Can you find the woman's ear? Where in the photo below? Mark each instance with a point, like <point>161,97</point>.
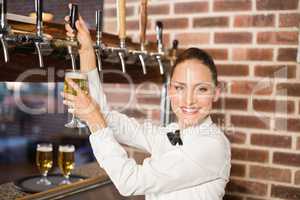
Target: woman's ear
<point>217,93</point>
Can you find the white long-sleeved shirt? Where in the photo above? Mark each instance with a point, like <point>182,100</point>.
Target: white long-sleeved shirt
<point>199,169</point>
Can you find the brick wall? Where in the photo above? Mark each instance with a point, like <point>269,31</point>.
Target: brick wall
<point>254,43</point>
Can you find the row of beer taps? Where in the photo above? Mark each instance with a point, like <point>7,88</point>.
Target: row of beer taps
<point>122,51</point>
<point>7,36</point>
<point>43,43</point>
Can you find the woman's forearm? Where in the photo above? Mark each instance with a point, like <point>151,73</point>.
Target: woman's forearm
<point>87,60</point>
<point>96,121</point>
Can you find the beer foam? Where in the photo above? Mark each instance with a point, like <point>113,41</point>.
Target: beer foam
<point>44,148</point>
<point>66,148</point>
<point>75,75</point>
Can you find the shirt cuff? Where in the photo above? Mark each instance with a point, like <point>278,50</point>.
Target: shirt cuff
<point>92,77</point>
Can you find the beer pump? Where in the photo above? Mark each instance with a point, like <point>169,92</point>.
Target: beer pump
<point>41,43</point>
<point>160,49</point>
<point>73,19</point>
<point>121,50</point>
<point>173,54</point>
<point>99,45</point>
<point>4,31</point>
<point>142,53</point>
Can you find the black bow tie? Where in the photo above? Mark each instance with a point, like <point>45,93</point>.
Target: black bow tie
<point>175,137</point>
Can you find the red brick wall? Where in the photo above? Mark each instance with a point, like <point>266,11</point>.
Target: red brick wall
<point>254,43</point>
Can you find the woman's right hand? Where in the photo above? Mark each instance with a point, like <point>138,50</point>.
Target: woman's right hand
<point>83,34</point>
<point>86,51</point>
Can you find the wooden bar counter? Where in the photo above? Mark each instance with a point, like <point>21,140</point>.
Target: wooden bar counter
<point>98,183</point>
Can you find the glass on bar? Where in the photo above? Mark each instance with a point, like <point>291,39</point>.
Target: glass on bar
<point>44,161</point>
<point>66,161</point>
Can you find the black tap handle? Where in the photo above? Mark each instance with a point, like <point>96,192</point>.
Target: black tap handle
<point>99,20</point>
<point>3,10</point>
<point>159,33</point>
<point>39,10</point>
<point>175,44</point>
<point>39,17</point>
<point>3,6</point>
<point>73,16</point>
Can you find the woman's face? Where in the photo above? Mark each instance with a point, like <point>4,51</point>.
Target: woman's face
<point>192,92</point>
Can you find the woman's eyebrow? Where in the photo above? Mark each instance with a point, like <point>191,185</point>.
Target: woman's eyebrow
<point>203,83</point>
<point>200,83</point>
<point>177,82</point>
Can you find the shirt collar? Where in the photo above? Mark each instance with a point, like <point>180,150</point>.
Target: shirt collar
<point>202,127</point>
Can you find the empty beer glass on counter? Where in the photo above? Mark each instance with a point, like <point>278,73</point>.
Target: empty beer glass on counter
<point>44,161</point>
<point>66,161</point>
<point>82,81</point>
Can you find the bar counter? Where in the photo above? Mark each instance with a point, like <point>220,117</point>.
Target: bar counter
<point>8,191</point>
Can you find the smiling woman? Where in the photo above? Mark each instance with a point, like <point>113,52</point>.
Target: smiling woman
<point>194,87</point>
<point>197,168</point>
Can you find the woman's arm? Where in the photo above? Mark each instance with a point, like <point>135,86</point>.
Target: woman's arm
<point>204,160</point>
<point>127,130</point>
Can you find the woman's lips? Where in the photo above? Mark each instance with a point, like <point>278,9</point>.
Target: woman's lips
<point>189,110</point>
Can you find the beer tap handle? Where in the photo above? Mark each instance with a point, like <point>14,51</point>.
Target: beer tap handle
<point>175,45</point>
<point>143,27</point>
<point>121,12</point>
<point>3,20</point>
<point>39,30</point>
<point>99,26</point>
<point>99,15</point>
<point>5,49</point>
<point>174,49</point>
<point>73,16</point>
<point>173,55</point>
<point>143,22</point>
<point>39,17</point>
<point>3,31</point>
<point>159,36</point>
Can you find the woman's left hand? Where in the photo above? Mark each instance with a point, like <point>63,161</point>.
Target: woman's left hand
<point>83,106</point>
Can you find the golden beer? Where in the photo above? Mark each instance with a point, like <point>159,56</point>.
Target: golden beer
<point>66,159</point>
<point>44,160</point>
<point>79,78</point>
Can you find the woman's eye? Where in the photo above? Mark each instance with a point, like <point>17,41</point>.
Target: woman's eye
<point>178,88</point>
<point>202,89</point>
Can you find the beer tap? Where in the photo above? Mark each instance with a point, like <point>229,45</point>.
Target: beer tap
<point>39,40</point>
<point>121,50</point>
<point>98,45</point>
<point>143,26</point>
<point>73,19</point>
<point>160,49</point>
<point>173,54</point>
<point>4,29</point>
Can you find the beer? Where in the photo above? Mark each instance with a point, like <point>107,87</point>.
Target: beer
<point>79,78</point>
<point>44,159</point>
<point>66,159</point>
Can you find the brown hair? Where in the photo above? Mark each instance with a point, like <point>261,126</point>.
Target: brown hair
<point>200,55</point>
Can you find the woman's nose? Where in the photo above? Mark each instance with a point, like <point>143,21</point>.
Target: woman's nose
<point>189,99</point>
